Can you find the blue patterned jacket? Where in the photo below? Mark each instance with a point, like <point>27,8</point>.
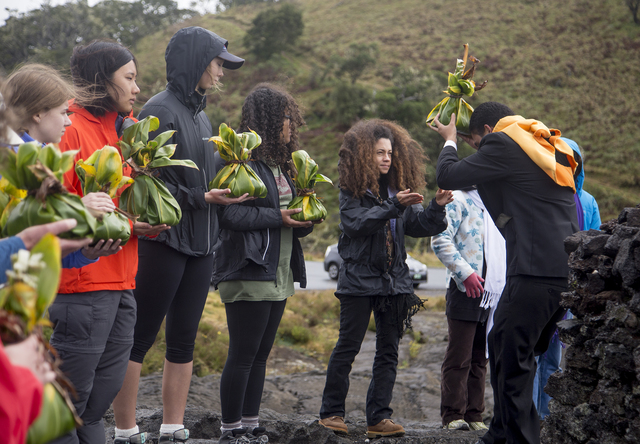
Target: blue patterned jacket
<point>460,247</point>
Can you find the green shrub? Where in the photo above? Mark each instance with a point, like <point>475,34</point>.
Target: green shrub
<point>274,30</point>
<point>350,102</point>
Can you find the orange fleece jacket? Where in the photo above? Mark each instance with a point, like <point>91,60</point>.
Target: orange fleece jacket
<point>89,133</point>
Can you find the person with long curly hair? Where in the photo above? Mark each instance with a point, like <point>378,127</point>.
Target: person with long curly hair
<point>260,258</point>
<point>381,173</point>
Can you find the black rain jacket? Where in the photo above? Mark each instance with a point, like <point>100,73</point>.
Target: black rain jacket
<point>249,247</point>
<point>179,108</point>
<point>362,244</point>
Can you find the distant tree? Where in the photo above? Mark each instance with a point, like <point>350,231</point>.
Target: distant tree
<point>274,30</point>
<point>634,6</point>
<point>128,22</point>
<point>226,4</point>
<point>48,35</point>
<point>350,102</point>
<point>359,57</point>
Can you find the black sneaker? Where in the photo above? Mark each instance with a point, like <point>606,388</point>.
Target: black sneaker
<point>180,435</point>
<point>258,435</point>
<point>235,436</point>
<point>138,438</point>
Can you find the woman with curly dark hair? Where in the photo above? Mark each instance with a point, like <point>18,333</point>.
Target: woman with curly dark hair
<point>381,171</point>
<point>260,258</point>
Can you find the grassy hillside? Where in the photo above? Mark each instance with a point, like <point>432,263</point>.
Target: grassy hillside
<point>575,65</point>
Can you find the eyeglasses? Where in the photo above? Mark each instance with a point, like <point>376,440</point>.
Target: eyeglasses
<point>287,116</point>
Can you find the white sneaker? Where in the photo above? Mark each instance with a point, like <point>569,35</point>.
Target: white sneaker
<point>458,424</point>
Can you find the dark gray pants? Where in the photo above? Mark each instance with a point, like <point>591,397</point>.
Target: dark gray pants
<point>93,334</point>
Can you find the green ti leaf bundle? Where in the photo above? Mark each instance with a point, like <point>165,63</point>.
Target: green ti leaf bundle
<point>31,288</point>
<point>102,172</point>
<point>148,196</point>
<point>307,177</point>
<point>39,171</point>
<point>237,175</point>
<point>460,85</point>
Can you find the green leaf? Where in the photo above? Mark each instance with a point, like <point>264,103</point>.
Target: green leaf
<point>49,276</point>
<point>8,163</point>
<point>322,178</point>
<point>162,138</point>
<point>27,156</point>
<point>165,162</point>
<point>165,151</point>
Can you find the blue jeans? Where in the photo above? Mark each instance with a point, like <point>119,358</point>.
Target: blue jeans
<point>548,363</point>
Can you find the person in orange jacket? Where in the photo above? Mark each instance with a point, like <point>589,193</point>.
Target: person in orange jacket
<point>95,312</point>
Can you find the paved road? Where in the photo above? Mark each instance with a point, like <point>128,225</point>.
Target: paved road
<point>318,279</point>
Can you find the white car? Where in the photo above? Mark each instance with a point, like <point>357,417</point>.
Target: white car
<point>332,262</point>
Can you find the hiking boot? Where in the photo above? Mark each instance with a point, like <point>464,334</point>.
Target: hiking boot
<point>386,427</point>
<point>138,438</point>
<point>478,425</point>
<point>458,424</point>
<point>258,435</point>
<point>180,435</point>
<point>335,423</point>
<point>235,436</point>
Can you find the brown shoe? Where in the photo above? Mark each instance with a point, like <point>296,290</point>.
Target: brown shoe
<point>335,423</point>
<point>386,427</point>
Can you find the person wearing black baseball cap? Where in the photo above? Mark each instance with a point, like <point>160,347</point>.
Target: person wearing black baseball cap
<point>174,268</point>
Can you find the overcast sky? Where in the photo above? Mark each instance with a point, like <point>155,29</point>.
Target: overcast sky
<point>28,5</point>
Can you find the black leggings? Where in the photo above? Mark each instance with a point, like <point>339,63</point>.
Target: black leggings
<point>252,330</point>
<point>171,284</point>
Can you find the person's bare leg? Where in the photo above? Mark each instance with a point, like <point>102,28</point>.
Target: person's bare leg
<point>124,405</point>
<point>176,380</point>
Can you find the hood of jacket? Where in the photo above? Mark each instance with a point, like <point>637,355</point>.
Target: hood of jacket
<point>188,54</point>
<point>580,178</point>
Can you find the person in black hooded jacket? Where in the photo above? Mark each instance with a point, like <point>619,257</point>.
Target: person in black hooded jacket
<point>175,267</point>
<point>381,169</point>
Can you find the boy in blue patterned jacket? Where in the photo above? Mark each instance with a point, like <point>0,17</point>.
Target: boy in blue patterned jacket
<point>461,248</point>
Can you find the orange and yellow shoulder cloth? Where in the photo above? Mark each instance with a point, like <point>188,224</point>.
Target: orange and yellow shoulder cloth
<point>543,146</point>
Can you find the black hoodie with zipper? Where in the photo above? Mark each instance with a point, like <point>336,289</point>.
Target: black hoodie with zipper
<point>179,108</point>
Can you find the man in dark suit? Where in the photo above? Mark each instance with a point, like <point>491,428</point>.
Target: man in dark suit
<point>535,214</point>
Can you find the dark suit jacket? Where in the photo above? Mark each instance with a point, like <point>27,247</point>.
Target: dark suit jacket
<point>533,213</point>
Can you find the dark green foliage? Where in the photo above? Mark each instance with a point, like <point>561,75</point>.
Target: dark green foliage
<point>634,5</point>
<point>48,35</point>
<point>274,30</point>
<point>359,58</point>
<point>350,102</point>
<point>226,4</point>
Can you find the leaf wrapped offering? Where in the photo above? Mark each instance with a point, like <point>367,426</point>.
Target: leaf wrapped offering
<point>237,175</point>
<point>460,85</point>
<point>10,197</point>
<point>102,172</point>
<point>31,287</point>
<point>312,208</point>
<point>39,171</point>
<point>148,196</point>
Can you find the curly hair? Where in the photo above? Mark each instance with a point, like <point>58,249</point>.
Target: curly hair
<point>357,166</point>
<point>264,112</point>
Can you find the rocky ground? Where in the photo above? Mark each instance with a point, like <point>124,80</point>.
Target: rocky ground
<point>291,401</point>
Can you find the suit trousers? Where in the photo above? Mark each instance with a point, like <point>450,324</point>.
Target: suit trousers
<point>524,323</point>
<point>355,312</point>
<point>463,372</point>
